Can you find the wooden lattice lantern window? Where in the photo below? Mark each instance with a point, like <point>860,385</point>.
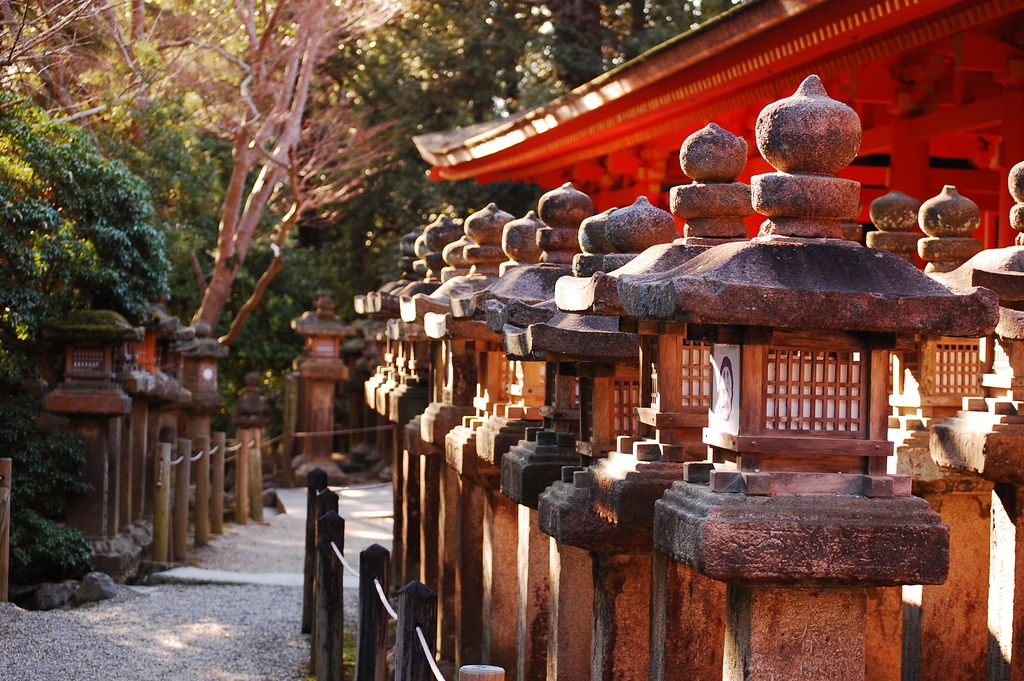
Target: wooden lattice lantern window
<point>609,397</point>
<point>675,392</point>
<point>85,360</point>
<point>525,390</point>
<point>561,409</point>
<point>786,404</point>
<point>938,373</point>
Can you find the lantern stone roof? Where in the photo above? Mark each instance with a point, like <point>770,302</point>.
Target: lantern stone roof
<point>543,333</point>
<point>201,343</point>
<point>1000,270</point>
<point>322,321</point>
<point>99,325</point>
<point>812,284</point>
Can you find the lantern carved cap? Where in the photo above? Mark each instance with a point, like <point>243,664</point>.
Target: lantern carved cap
<point>562,210</point>
<point>635,228</point>
<point>808,137</point>
<point>92,325</point>
<point>563,336</point>
<point>948,219</point>
<point>485,229</point>
<point>714,204</point>
<point>519,239</point>
<point>322,321</point>
<point>895,216</point>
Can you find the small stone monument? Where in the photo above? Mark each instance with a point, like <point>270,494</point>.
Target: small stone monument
<point>519,242</point>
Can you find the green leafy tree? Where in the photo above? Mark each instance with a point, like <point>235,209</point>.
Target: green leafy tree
<point>76,231</point>
<point>45,472</point>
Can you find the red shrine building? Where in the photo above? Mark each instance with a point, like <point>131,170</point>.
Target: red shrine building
<point>938,84</point>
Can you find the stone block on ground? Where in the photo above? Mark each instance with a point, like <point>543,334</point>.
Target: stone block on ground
<point>95,586</point>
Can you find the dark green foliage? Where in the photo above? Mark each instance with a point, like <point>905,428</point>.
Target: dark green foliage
<point>75,231</point>
<point>45,473</point>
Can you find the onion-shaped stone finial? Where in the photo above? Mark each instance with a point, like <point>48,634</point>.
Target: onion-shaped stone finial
<point>713,154</point>
<point>485,228</point>
<point>948,219</point>
<point>808,137</point>
<point>895,216</point>
<point>406,262</point>
<point>808,132</point>
<point>639,226</point>
<point>562,210</point>
<point>436,236</point>
<point>593,234</point>
<point>519,241</point>
<point>714,204</point>
<point>1016,183</point>
<point>454,255</point>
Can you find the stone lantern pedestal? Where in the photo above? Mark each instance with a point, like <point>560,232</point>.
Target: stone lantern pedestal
<point>95,406</point>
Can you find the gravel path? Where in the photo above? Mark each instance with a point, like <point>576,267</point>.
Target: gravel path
<point>185,632</point>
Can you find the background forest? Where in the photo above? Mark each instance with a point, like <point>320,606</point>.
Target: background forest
<point>231,159</point>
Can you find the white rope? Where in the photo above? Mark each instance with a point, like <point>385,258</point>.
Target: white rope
<point>384,599</point>
<point>429,655</point>
<point>344,563</point>
<point>198,456</point>
<point>233,448</point>
<point>214,450</point>
<point>178,460</point>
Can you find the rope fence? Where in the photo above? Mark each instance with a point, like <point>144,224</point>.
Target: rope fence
<point>415,614</point>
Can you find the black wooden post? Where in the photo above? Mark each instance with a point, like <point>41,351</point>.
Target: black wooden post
<point>326,502</point>
<point>417,607</point>
<point>330,611</point>
<point>372,642</point>
<point>316,480</point>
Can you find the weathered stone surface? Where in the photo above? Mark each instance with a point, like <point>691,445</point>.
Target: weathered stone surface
<point>567,336</point>
<point>565,513</point>
<point>593,233</point>
<point>894,212</point>
<point>981,443</point>
<point>600,292</point>
<point>808,132</point>
<point>713,154</point>
<point>949,214</point>
<point>639,226</point>
<point>714,204</point>
<point>531,467</point>
<point>998,269</point>
<point>813,284</point>
<point>803,195</point>
<point>562,210</point>
<point>519,239</point>
<point>624,490</point>
<point>806,540</point>
<point>50,596</point>
<point>95,586</point>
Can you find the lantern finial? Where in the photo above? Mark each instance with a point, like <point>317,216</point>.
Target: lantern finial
<point>948,219</point>
<point>714,204</point>
<point>808,137</point>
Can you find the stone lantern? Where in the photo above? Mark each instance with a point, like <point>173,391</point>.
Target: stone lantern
<point>796,512</point>
<point>320,367</point>
<point>984,440</point>
<point>94,404</point>
<point>592,384</point>
<point>199,357</point>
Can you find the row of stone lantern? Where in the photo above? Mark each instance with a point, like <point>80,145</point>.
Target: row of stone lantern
<point>673,457</point>
<point>123,389</point>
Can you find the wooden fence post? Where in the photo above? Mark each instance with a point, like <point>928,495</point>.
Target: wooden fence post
<point>162,503</point>
<point>182,475</point>
<point>417,607</point>
<point>256,476</point>
<point>326,502</point>
<point>202,531</point>
<point>372,640</point>
<point>217,483</point>
<point>316,480</point>
<point>330,610</point>
<point>242,478</point>
<point>5,526</point>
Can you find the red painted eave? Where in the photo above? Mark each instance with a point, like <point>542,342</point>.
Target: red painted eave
<point>721,60</point>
